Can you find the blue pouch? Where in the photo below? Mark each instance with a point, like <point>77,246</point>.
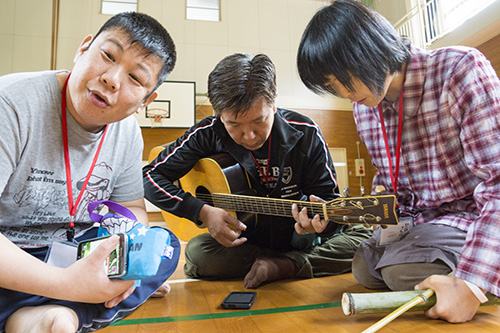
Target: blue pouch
<point>147,247</point>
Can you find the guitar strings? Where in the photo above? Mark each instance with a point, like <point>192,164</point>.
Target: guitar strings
<point>271,206</point>
<point>342,212</point>
<point>258,205</point>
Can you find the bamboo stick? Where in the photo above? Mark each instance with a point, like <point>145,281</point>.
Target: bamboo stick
<point>398,302</point>
<point>419,299</point>
<point>384,302</point>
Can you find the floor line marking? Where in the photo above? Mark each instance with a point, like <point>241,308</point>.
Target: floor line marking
<point>228,314</point>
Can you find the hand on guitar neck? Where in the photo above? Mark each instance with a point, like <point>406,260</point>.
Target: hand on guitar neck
<point>219,223</point>
<point>306,224</point>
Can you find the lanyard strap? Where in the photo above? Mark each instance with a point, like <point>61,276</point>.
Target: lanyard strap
<point>265,175</point>
<point>394,175</point>
<point>73,206</point>
<point>115,207</point>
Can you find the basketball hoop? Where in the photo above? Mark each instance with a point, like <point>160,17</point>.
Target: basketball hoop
<point>156,116</point>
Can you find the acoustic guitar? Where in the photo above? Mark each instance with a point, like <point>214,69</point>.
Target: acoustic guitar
<point>221,182</point>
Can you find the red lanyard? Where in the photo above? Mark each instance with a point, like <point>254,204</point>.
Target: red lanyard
<point>72,207</point>
<point>394,175</point>
<point>265,175</point>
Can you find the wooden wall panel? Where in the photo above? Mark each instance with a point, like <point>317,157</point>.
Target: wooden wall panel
<point>338,127</point>
<point>491,49</point>
<point>339,130</point>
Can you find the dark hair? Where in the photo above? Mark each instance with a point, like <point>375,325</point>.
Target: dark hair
<point>348,40</point>
<point>239,80</point>
<point>149,34</point>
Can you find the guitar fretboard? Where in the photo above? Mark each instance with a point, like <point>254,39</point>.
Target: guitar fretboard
<point>268,206</point>
<point>353,210</point>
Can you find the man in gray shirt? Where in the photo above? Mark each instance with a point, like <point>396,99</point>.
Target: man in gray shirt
<point>67,140</point>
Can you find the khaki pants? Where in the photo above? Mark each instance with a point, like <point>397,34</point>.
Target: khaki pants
<point>207,259</point>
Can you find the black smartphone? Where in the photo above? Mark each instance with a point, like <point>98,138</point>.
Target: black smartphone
<point>239,300</point>
<point>116,264</point>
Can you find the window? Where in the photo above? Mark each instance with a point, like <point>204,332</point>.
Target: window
<point>429,20</point>
<point>112,7</point>
<point>456,12</point>
<point>203,10</point>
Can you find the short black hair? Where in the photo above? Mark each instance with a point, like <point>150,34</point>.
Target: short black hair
<point>149,34</point>
<point>348,40</point>
<point>238,80</point>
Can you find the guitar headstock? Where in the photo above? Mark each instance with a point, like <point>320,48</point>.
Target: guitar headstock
<point>369,210</point>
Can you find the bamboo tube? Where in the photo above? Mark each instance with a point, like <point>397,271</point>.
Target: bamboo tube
<point>384,302</point>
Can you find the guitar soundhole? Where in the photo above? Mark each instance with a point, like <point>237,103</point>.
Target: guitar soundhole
<point>204,194</point>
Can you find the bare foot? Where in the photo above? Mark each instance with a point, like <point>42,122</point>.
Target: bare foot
<point>42,319</point>
<point>270,269</point>
<point>162,291</point>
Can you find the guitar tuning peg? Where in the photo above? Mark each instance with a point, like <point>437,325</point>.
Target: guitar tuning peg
<point>346,192</point>
<point>364,222</point>
<point>379,189</point>
<point>346,220</point>
<point>362,190</point>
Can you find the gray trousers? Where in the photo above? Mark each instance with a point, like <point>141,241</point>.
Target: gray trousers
<point>428,249</point>
<point>207,259</point>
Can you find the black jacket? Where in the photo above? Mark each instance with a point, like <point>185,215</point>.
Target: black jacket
<point>305,167</point>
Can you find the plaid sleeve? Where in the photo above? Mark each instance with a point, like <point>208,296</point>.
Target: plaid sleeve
<point>476,88</point>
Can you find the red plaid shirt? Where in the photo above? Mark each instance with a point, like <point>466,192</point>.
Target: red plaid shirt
<point>450,152</point>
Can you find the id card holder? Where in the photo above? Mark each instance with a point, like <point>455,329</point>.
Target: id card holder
<point>394,233</point>
<point>62,254</point>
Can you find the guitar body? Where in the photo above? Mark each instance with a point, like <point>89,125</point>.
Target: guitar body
<point>215,174</point>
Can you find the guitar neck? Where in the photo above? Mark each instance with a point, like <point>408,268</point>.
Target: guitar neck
<point>265,206</point>
<point>367,210</point>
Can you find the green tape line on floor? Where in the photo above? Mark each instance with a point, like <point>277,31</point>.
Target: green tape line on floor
<point>228,314</point>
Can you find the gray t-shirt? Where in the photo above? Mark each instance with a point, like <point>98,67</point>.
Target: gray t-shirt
<point>34,199</point>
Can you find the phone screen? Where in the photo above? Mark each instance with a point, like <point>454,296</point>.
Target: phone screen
<point>115,263</point>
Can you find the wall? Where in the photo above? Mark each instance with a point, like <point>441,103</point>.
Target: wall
<point>273,27</point>
<point>491,49</point>
<point>270,26</point>
<point>339,130</point>
<point>338,127</point>
<point>393,10</point>
<point>25,35</point>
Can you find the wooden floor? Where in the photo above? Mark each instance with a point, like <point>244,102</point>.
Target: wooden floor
<point>311,305</point>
